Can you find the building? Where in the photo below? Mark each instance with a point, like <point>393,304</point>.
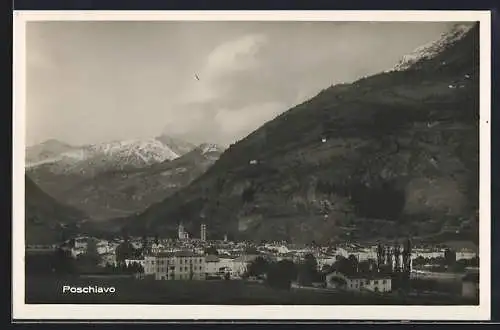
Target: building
<point>203,232</point>
<point>141,262</point>
<point>75,252</point>
<point>107,259</point>
<point>181,265</point>
<point>325,261</point>
<point>157,248</point>
<point>103,247</point>
<point>80,243</point>
<point>213,266</point>
<point>183,234</point>
<point>373,282</point>
<point>465,254</point>
<point>470,285</point>
<point>240,264</point>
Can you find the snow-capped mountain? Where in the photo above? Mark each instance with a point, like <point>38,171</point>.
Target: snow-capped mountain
<point>178,146</point>
<point>118,177</point>
<point>46,151</point>
<point>435,47</point>
<point>210,147</point>
<point>104,190</point>
<point>135,152</point>
<point>115,154</point>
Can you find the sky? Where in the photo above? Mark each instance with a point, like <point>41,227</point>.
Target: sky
<point>92,82</point>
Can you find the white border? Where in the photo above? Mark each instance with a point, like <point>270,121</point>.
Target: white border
<point>21,311</point>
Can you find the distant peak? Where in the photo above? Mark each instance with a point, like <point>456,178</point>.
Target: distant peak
<point>53,142</point>
<point>210,147</point>
<point>435,47</point>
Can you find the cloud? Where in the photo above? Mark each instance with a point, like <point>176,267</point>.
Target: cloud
<point>128,79</point>
<point>240,122</point>
<point>233,56</point>
<point>223,63</point>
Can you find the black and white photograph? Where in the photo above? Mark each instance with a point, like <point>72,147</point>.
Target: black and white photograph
<point>248,164</point>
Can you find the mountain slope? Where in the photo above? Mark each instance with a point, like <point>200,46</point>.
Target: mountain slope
<point>57,167</point>
<point>390,154</point>
<point>45,217</point>
<point>178,146</point>
<point>122,192</point>
<point>432,49</point>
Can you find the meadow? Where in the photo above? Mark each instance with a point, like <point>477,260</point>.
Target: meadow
<point>48,290</point>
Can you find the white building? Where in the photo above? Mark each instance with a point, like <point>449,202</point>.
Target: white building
<point>213,266</point>
<point>227,264</point>
<point>108,259</point>
<point>465,254</point>
<point>103,247</point>
<point>282,249</point>
<point>359,282</point>
<point>325,260</point>
<point>157,248</point>
<point>75,252</point>
<point>240,264</point>
<point>182,265</point>
<point>220,265</point>
<point>141,262</point>
<point>80,243</point>
<point>430,254</point>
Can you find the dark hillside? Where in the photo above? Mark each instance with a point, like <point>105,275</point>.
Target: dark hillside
<point>400,155</point>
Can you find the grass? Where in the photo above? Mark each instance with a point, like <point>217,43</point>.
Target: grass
<point>48,290</point>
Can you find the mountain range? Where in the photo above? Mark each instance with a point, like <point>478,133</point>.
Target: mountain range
<point>118,178</point>
<point>388,155</point>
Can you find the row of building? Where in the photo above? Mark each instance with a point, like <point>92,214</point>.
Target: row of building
<point>188,265</point>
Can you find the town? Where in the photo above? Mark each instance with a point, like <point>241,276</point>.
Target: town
<point>382,269</point>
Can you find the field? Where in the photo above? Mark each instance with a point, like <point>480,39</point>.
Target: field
<point>48,290</point>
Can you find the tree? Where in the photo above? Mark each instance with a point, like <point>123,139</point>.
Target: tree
<point>251,250</point>
<point>326,269</point>
<point>308,270</point>
<point>353,263</point>
<point>91,252</point>
<point>211,250</point>
<point>450,257</point>
<point>257,267</point>
<point>281,274</point>
<point>364,266</point>
<point>339,282</point>
<point>124,251</point>
<point>63,262</point>
<point>89,260</point>
<point>474,262</point>
<point>135,268</point>
<point>346,266</point>
<point>419,261</point>
<point>145,245</point>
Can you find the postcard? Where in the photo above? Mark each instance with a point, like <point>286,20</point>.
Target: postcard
<point>274,165</point>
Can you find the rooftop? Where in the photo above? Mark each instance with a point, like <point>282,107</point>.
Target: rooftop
<point>178,254</point>
<point>212,258</point>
